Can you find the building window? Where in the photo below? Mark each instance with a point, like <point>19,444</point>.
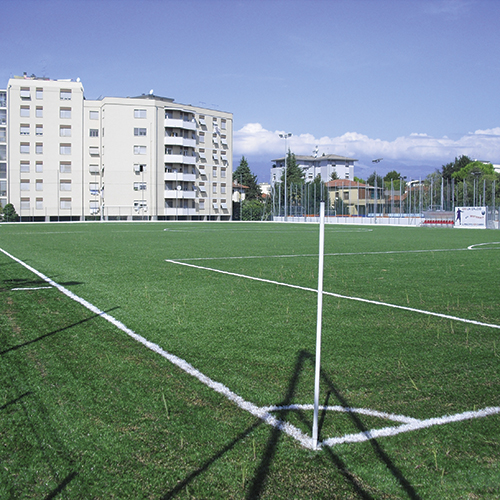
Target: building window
<point>94,188</point>
<point>139,168</point>
<point>223,124</point>
<point>25,203</point>
<point>65,149</point>
<point>24,129</point>
<point>39,185</point>
<point>140,113</point>
<point>139,150</point>
<point>139,131</point>
<point>214,188</point>
<point>94,205</point>
<point>39,148</point>
<point>25,184</point>
<point>25,111</point>
<point>3,188</point>
<point>39,112</point>
<point>139,186</point>
<point>65,113</point>
<point>25,148</point>
<point>25,93</point>
<point>65,131</point>
<point>3,171</point>
<point>223,172</point>
<point>223,189</point>
<point>94,150</point>
<point>65,94</point>
<point>39,93</point>
<point>39,203</point>
<point>38,129</point>
<point>3,117</point>
<point>94,115</point>
<point>94,169</point>
<point>65,203</point>
<point>201,204</point>
<point>3,135</point>
<point>201,135</point>
<point>94,132</point>
<point>25,167</point>
<point>65,167</point>
<point>39,167</point>
<point>65,185</point>
<point>214,171</point>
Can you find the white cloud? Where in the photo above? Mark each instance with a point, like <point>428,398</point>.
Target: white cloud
<point>254,140</point>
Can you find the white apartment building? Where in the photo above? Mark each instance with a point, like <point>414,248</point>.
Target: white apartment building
<point>3,148</point>
<point>145,157</point>
<point>324,166</point>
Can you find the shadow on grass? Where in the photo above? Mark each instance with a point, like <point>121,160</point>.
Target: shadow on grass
<point>9,284</point>
<point>61,487</point>
<point>59,330</point>
<point>258,482</point>
<point>14,401</point>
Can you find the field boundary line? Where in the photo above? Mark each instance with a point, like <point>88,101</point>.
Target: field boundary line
<point>332,294</point>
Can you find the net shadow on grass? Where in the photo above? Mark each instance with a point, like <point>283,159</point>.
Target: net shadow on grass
<point>14,401</point>
<point>59,330</point>
<point>62,486</point>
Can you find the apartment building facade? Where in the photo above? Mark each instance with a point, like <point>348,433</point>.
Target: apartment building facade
<point>146,157</point>
<point>312,166</point>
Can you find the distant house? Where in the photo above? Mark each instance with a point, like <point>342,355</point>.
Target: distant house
<point>354,198</point>
<point>324,166</point>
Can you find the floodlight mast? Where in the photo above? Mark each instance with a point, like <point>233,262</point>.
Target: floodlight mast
<point>319,322</point>
<point>285,136</point>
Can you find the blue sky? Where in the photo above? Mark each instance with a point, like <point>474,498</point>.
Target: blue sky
<point>413,82</point>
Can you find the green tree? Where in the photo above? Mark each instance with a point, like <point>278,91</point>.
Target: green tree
<point>252,210</point>
<point>243,175</point>
<point>294,174</point>
<point>9,213</point>
<point>475,168</point>
<point>358,179</point>
<point>371,180</point>
<point>395,178</point>
<point>334,176</point>
<point>449,169</point>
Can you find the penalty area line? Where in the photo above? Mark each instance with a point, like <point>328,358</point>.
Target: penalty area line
<point>337,295</point>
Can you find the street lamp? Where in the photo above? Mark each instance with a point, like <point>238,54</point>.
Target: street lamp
<point>285,136</point>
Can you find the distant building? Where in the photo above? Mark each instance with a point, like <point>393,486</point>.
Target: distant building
<point>354,198</point>
<point>324,166</point>
<point>68,158</point>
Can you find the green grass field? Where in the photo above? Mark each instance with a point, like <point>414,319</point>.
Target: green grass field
<point>87,412</point>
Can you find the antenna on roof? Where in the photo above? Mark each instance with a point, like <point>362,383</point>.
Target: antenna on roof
<point>151,92</point>
<point>315,152</point>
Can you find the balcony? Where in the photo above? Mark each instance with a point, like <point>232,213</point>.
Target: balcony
<point>179,194</point>
<point>180,211</point>
<point>187,160</point>
<point>180,141</point>
<point>179,123</point>
<point>179,176</point>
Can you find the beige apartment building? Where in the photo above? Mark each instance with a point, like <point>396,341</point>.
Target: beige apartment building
<point>146,157</point>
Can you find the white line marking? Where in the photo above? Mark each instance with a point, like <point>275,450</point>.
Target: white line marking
<point>339,254</point>
<point>474,247</point>
<point>358,299</point>
<point>413,426</point>
<point>32,288</point>
<point>264,413</point>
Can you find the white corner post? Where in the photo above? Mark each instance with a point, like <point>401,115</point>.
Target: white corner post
<point>319,322</point>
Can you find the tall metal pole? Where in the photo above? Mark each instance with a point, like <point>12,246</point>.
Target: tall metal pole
<point>319,321</point>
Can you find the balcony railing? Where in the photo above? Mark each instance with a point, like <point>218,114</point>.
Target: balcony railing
<point>180,176</point>
<point>180,211</point>
<point>187,160</point>
<point>179,123</point>
<point>180,141</point>
<point>178,194</point>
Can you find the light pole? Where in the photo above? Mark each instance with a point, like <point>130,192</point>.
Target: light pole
<point>285,136</point>
<point>377,160</point>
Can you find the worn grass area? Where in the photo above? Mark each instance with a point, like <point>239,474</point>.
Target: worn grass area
<point>87,412</point>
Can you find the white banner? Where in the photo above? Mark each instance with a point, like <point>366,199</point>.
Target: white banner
<point>474,217</point>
